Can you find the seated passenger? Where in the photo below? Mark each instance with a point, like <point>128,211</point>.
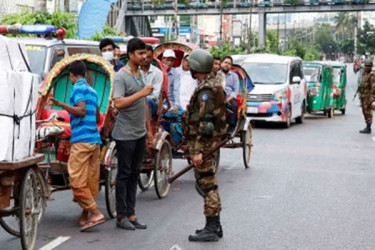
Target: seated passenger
<point>107,47</point>
<point>232,86</point>
<point>168,59</point>
<point>188,84</point>
<point>216,71</point>
<point>153,76</point>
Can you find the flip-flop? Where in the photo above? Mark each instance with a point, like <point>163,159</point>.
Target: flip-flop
<point>81,221</point>
<point>91,224</point>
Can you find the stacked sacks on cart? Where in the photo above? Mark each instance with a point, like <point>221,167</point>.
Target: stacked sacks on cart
<point>18,99</point>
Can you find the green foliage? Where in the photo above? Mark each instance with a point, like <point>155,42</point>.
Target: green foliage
<point>225,50</point>
<point>292,2</point>
<point>324,39</point>
<point>272,41</point>
<point>366,39</point>
<point>107,32</point>
<point>311,55</point>
<point>296,47</point>
<point>58,19</point>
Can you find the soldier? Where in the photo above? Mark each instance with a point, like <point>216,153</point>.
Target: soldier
<point>205,126</point>
<point>365,91</point>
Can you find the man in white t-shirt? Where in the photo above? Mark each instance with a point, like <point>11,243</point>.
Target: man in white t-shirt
<point>188,84</point>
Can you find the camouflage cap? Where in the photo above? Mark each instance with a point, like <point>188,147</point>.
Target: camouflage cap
<point>368,62</point>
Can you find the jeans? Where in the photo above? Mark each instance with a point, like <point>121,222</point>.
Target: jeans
<point>130,156</point>
<point>231,118</point>
<point>152,106</point>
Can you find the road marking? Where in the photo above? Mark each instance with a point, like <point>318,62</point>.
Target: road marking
<point>175,247</point>
<point>55,243</point>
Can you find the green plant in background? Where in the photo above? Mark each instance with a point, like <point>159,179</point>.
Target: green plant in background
<point>226,50</point>
<point>58,19</point>
<point>107,32</point>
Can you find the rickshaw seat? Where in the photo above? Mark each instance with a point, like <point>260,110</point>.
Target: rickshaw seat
<point>66,123</point>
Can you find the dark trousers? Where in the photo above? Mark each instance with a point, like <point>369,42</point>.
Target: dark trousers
<point>130,157</point>
<point>231,118</point>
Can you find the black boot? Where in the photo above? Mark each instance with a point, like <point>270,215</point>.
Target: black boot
<point>219,231</point>
<point>366,130</point>
<point>209,232</point>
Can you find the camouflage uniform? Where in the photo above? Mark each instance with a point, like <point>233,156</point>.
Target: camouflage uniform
<point>365,91</point>
<point>205,127</point>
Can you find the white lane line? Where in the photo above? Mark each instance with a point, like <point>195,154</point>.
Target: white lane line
<point>175,247</point>
<point>55,243</point>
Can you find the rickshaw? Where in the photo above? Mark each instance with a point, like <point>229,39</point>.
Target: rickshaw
<point>339,85</point>
<point>53,131</point>
<point>243,128</point>
<point>157,164</point>
<point>318,75</point>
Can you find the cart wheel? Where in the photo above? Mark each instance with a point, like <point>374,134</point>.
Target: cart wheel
<point>11,224</point>
<point>330,113</point>
<point>110,185</point>
<point>145,180</point>
<point>29,210</point>
<point>343,111</point>
<point>247,143</point>
<point>163,169</point>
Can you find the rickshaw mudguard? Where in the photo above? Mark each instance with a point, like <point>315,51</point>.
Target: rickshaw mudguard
<point>159,138</point>
<point>107,157</point>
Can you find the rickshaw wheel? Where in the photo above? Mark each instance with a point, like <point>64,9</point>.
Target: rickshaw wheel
<point>145,180</point>
<point>29,211</point>
<point>11,224</point>
<point>163,169</point>
<point>247,141</point>
<point>110,185</point>
<point>343,111</point>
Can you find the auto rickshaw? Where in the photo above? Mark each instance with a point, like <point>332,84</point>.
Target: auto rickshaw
<point>339,85</point>
<point>318,76</point>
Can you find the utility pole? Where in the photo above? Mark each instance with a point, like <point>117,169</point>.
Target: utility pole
<point>66,6</point>
<point>221,24</point>
<point>278,30</point>
<point>285,32</point>
<point>251,34</point>
<point>355,33</point>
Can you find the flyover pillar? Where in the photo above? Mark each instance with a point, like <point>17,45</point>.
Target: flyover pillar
<point>262,28</point>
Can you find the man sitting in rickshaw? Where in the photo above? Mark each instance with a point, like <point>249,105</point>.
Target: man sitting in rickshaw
<point>216,70</point>
<point>168,59</point>
<point>188,84</point>
<point>232,86</point>
<point>153,76</point>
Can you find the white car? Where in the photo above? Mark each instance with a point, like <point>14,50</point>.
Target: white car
<point>280,90</point>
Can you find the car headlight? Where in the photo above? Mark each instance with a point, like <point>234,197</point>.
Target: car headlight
<point>280,95</point>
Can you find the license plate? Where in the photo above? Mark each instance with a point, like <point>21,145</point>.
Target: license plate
<point>252,110</point>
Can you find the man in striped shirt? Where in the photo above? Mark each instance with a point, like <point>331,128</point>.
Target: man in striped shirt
<point>84,162</point>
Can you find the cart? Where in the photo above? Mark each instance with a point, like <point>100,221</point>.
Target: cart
<point>22,198</point>
<point>53,131</point>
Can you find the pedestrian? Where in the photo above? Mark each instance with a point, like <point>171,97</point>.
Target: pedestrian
<point>205,125</point>
<point>154,76</point>
<point>168,59</point>
<point>365,91</point>
<point>84,162</point>
<point>188,84</point>
<point>232,87</point>
<point>107,48</point>
<point>130,90</point>
<point>216,71</point>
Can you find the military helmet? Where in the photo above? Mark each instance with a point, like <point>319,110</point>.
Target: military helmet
<point>368,62</point>
<point>200,61</point>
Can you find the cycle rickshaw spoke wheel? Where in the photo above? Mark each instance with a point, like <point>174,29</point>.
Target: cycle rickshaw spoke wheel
<point>110,185</point>
<point>163,169</point>
<point>247,142</point>
<point>29,210</point>
<point>11,224</point>
<point>145,180</point>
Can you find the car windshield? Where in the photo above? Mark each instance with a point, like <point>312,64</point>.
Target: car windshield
<point>266,73</point>
<point>311,74</point>
<point>37,57</point>
<point>336,75</point>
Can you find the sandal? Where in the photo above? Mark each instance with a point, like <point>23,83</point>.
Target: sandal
<point>91,224</point>
<point>83,218</point>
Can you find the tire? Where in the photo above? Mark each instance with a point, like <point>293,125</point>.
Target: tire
<point>343,111</point>
<point>247,144</point>
<point>11,224</point>
<point>299,120</point>
<point>145,180</point>
<point>110,185</point>
<point>163,169</point>
<point>29,210</point>
<point>330,113</point>
<point>289,121</point>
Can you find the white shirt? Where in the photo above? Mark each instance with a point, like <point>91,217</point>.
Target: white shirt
<point>154,76</point>
<point>188,85</point>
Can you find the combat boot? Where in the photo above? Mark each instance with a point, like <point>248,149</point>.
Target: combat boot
<point>366,130</point>
<point>219,231</point>
<point>209,232</point>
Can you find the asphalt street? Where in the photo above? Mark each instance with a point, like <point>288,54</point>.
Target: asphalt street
<point>311,186</point>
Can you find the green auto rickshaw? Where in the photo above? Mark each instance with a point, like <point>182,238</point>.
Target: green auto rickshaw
<point>318,76</point>
<point>339,85</point>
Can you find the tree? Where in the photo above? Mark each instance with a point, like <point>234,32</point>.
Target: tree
<point>345,24</point>
<point>366,39</point>
<point>324,39</point>
<point>225,50</point>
